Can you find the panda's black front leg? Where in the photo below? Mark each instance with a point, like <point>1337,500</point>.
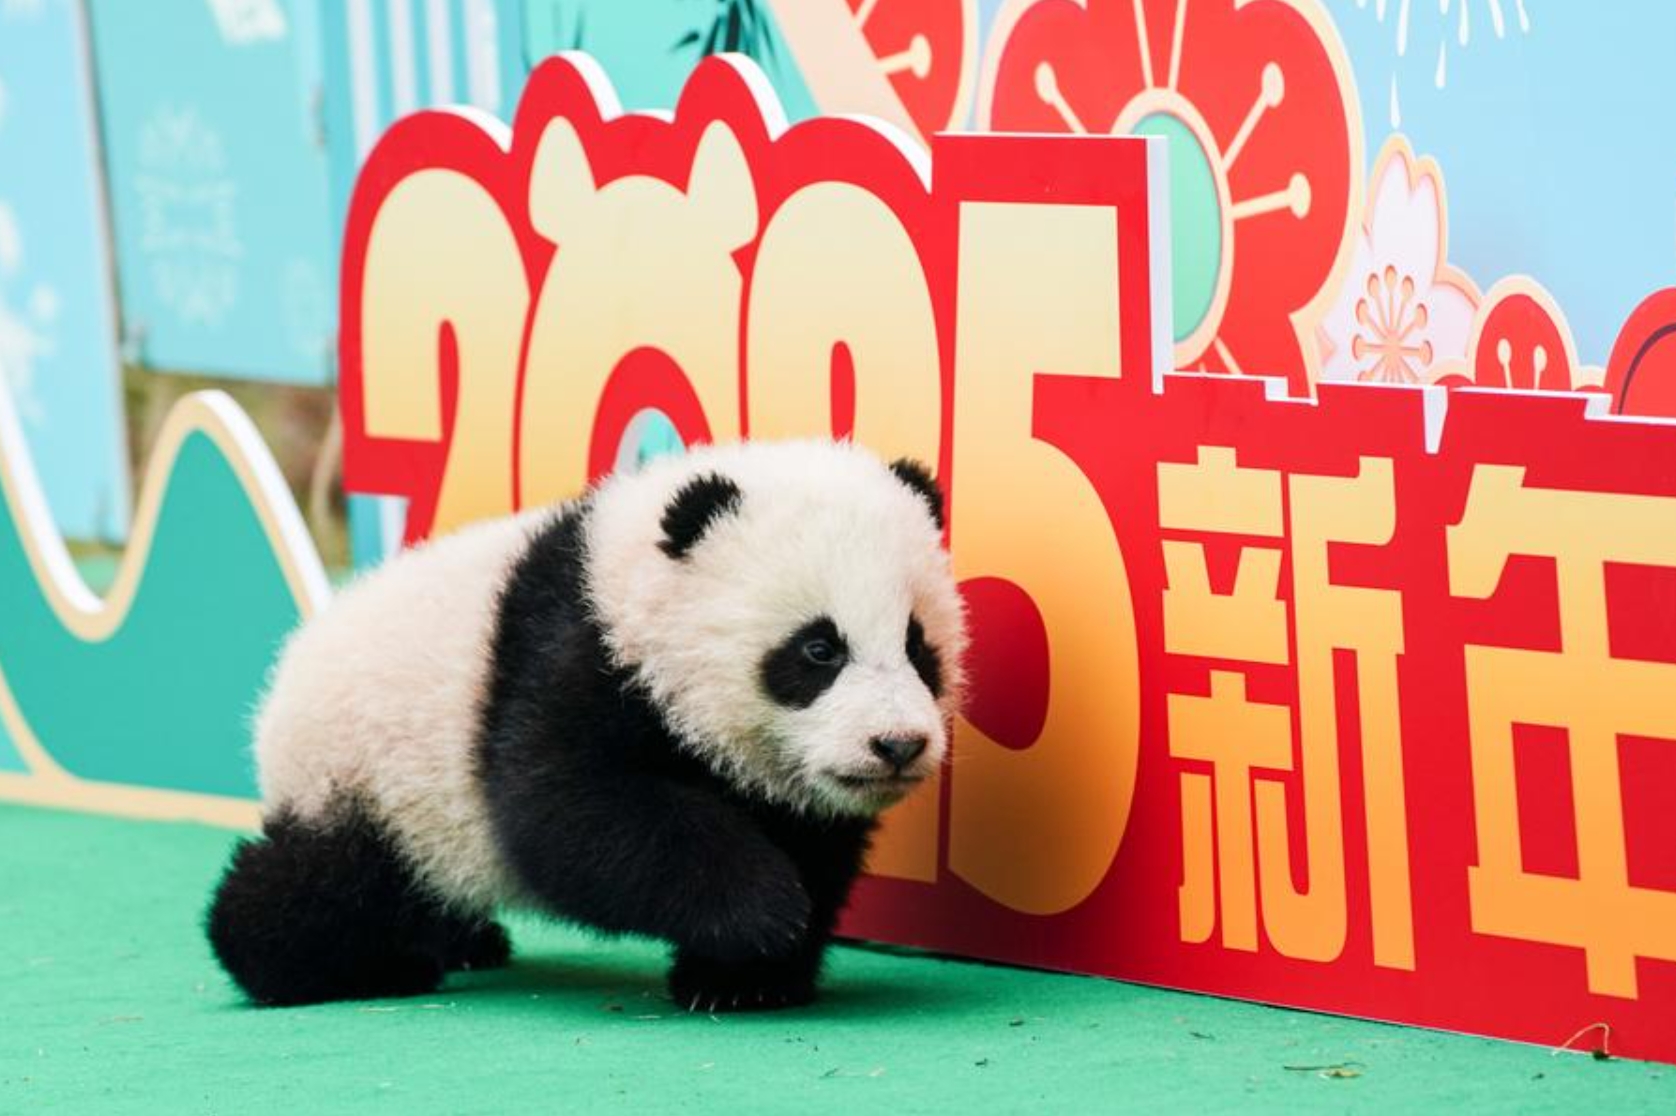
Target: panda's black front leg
<point>642,854</point>
<point>829,858</point>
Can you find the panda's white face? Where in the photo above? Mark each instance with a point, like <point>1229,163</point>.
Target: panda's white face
<point>854,721</point>
<point>791,610</point>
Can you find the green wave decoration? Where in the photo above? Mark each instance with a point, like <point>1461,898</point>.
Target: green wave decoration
<point>10,759</point>
<point>153,685</point>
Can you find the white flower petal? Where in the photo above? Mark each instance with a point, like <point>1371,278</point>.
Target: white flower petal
<point>1406,226</point>
<point>1450,323</point>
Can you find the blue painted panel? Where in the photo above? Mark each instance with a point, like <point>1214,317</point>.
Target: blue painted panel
<point>58,352</point>
<point>386,58</point>
<point>217,163</point>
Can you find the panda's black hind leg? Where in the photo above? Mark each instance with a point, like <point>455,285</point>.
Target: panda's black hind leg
<point>327,910</point>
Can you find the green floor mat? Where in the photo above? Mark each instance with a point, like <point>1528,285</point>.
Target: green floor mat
<point>110,1002</point>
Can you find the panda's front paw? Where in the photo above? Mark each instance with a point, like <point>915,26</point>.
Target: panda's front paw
<point>699,983</point>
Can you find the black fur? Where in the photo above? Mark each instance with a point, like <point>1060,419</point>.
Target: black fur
<point>918,478</point>
<point>609,822</point>
<point>329,911</point>
<point>699,503</point>
<point>927,663</point>
<point>792,677</point>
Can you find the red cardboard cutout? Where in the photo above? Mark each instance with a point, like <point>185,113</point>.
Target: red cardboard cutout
<point>1359,704</point>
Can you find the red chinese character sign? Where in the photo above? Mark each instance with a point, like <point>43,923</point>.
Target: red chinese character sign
<point>1356,704</point>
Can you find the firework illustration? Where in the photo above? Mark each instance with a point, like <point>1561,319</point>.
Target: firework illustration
<point>1454,20</point>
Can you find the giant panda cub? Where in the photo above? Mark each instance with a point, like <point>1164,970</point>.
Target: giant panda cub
<point>673,707</point>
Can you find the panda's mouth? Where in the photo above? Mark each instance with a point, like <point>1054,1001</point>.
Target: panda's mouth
<point>892,784</point>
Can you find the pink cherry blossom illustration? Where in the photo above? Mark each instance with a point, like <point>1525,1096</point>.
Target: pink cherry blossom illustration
<point>1403,309</point>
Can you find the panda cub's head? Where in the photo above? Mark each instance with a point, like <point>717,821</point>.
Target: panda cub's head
<point>790,610</point>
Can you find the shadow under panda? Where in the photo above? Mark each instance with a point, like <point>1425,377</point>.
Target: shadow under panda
<point>674,708</point>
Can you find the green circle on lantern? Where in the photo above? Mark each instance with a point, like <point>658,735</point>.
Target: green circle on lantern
<point>1195,222</point>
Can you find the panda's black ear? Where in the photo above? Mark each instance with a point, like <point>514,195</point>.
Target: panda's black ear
<point>918,478</point>
<point>695,508</point>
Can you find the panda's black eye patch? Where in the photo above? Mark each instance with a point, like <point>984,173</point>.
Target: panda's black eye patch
<point>805,664</point>
<point>926,662</point>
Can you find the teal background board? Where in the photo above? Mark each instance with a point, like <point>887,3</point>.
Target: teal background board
<point>375,528</point>
<point>641,46</point>
<point>217,165</point>
<point>384,59</point>
<point>58,352</point>
<point>165,700</point>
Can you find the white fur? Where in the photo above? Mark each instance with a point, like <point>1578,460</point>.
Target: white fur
<point>821,529</point>
<point>378,695</point>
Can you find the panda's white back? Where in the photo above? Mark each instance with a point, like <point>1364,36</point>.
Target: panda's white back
<point>378,698</point>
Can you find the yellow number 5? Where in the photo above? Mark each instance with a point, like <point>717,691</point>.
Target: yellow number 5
<point>1037,829</point>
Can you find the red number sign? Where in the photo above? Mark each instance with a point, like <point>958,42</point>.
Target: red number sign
<point>1359,704</point>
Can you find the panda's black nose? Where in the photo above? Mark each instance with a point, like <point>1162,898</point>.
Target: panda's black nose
<point>898,751</point>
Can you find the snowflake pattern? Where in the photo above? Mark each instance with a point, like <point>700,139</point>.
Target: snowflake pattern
<point>189,213</point>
